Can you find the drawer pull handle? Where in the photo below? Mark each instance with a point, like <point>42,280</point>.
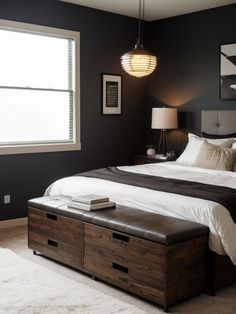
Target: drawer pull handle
<point>120,267</point>
<point>52,243</point>
<point>120,237</point>
<point>51,216</point>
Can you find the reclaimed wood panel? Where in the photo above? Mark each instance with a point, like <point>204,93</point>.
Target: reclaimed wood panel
<point>57,237</point>
<point>55,227</point>
<point>120,244</point>
<point>123,273</point>
<point>186,269</point>
<point>163,274</point>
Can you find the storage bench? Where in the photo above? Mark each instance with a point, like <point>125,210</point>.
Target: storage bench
<point>159,258</point>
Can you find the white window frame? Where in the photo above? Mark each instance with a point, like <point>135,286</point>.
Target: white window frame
<point>52,147</point>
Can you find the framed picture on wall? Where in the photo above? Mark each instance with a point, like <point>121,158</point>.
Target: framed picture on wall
<point>111,94</point>
<point>228,71</point>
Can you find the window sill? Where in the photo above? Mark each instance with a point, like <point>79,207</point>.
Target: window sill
<point>28,149</point>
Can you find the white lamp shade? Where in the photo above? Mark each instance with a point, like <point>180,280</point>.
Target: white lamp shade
<point>164,118</point>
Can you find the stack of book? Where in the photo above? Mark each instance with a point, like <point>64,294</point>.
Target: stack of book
<point>91,202</point>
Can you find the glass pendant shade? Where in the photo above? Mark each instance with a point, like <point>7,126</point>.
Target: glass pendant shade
<point>138,62</point>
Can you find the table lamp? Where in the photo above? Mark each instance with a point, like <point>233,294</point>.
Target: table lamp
<point>164,119</point>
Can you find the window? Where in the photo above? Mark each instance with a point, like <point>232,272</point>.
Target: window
<point>39,88</point>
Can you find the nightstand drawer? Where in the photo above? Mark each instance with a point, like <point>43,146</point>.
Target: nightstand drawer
<point>144,159</point>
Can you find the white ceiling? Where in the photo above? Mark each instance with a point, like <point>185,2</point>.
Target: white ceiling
<point>154,9</point>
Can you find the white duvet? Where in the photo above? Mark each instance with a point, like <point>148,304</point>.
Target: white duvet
<point>222,228</point>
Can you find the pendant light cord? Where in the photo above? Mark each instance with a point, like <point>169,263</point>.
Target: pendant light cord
<point>140,24</point>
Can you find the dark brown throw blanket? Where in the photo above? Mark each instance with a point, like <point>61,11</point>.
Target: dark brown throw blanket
<point>222,195</point>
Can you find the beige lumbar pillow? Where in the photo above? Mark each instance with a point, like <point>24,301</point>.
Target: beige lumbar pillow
<point>215,157</point>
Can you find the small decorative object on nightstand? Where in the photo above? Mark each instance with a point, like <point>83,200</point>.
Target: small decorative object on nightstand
<point>151,150</point>
<point>171,155</point>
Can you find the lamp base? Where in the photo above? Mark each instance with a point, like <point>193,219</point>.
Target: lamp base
<point>163,146</point>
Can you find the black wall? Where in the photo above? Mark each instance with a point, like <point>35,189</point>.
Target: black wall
<point>187,47</point>
<point>187,77</point>
<point>106,140</point>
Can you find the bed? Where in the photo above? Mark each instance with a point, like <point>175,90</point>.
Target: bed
<point>222,239</point>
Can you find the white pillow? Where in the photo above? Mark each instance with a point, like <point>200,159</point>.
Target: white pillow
<point>194,145</point>
<point>191,151</point>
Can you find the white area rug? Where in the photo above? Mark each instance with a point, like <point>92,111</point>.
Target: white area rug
<point>28,288</point>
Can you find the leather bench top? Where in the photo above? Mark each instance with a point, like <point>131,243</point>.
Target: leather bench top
<point>146,225</point>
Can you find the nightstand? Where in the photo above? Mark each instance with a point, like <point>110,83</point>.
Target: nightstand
<point>144,159</point>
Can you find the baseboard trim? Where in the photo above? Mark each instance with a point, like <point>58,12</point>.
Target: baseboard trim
<point>13,223</point>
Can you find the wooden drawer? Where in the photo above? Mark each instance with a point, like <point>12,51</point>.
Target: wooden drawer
<point>57,237</point>
<point>58,228</point>
<point>61,252</point>
<point>129,262</point>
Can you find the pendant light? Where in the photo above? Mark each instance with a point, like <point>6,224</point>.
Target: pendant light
<point>139,62</point>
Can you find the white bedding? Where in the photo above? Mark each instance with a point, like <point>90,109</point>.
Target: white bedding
<point>222,228</point>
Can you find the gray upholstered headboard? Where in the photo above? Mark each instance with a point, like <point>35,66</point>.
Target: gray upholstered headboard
<point>219,122</point>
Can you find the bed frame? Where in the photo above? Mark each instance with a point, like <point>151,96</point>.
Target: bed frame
<point>219,122</point>
<point>221,272</point>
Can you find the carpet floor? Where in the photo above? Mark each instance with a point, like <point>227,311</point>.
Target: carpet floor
<point>31,288</point>
<point>34,285</point>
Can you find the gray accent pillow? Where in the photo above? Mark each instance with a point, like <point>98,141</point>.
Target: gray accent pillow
<point>215,157</point>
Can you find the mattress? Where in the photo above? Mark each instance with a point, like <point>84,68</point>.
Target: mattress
<point>215,216</point>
